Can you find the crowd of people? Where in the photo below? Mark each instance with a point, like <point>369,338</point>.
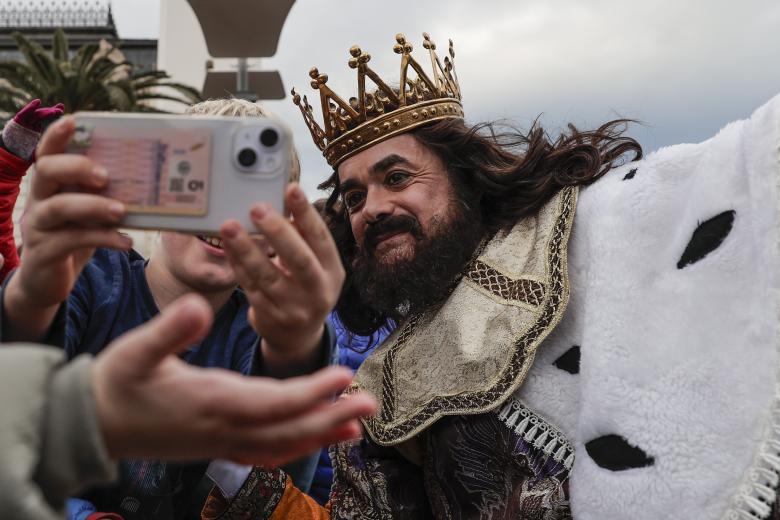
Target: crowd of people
<point>81,288</point>
<point>197,382</point>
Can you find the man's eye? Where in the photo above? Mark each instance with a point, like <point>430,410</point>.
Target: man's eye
<point>395,178</point>
<point>353,199</point>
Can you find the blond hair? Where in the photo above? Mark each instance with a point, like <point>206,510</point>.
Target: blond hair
<point>234,107</point>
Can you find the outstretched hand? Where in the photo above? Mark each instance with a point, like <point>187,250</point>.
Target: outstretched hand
<point>290,298</point>
<point>153,405</point>
<point>33,116</point>
<point>20,135</point>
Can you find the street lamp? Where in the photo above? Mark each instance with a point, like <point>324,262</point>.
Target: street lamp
<point>242,29</point>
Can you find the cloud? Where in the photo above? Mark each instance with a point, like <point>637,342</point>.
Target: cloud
<point>137,18</point>
<point>685,68</point>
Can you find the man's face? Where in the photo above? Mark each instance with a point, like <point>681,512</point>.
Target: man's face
<point>396,193</point>
<point>413,233</point>
<point>195,262</point>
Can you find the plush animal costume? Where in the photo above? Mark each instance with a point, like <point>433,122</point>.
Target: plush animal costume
<point>664,371</point>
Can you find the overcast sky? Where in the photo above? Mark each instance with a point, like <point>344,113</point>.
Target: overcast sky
<point>685,68</point>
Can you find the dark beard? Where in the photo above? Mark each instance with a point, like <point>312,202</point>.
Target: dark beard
<point>407,287</point>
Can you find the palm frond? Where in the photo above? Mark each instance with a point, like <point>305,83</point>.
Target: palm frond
<point>142,107</point>
<point>149,74</point>
<point>8,107</point>
<point>37,58</point>
<point>20,76</point>
<point>84,57</point>
<point>122,96</point>
<point>8,91</point>
<point>103,69</point>
<point>156,96</point>
<point>193,95</point>
<point>89,80</point>
<point>59,45</point>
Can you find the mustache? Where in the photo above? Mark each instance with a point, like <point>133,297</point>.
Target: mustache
<point>393,224</point>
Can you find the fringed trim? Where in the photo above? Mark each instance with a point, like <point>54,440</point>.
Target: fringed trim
<point>537,431</point>
<point>758,494</point>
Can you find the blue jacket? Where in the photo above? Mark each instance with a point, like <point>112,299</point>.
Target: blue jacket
<point>351,351</point>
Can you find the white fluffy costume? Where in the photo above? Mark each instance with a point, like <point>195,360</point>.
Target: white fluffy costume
<point>663,373</point>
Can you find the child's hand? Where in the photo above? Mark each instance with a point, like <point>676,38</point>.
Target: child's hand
<point>22,133</point>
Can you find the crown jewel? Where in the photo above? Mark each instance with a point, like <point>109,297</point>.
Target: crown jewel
<point>374,116</point>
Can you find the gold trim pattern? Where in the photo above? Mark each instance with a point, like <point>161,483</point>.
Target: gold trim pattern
<point>523,290</point>
<point>388,388</point>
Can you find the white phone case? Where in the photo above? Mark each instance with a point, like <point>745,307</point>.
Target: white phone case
<point>187,173</point>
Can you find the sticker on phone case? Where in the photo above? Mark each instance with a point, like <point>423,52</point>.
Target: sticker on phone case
<point>164,172</point>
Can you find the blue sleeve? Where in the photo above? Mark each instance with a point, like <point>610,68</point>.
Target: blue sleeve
<point>85,322</point>
<point>56,336</point>
<point>323,479</point>
<point>69,324</point>
<point>328,353</point>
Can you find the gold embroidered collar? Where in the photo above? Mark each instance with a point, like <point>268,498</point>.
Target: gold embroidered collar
<point>474,351</point>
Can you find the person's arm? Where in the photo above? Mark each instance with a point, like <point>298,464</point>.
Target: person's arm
<point>12,170</point>
<point>63,425</point>
<point>18,140</point>
<point>37,452</point>
<point>290,298</point>
<point>61,231</point>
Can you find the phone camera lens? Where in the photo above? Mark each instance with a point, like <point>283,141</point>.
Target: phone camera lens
<point>247,157</point>
<point>269,137</point>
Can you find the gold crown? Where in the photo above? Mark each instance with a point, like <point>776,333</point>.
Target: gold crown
<point>386,112</point>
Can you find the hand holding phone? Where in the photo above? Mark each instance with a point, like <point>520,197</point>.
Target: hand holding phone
<point>61,230</point>
<point>187,173</point>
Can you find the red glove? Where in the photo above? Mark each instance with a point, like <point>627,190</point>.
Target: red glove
<point>104,516</point>
<point>22,133</point>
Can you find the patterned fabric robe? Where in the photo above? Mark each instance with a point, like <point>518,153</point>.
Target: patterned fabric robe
<point>472,467</point>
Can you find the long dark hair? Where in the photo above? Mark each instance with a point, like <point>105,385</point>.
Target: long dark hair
<point>509,174</point>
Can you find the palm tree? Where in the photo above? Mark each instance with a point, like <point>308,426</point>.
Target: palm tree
<point>92,79</point>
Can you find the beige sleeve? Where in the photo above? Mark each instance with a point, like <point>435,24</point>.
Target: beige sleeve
<point>50,441</point>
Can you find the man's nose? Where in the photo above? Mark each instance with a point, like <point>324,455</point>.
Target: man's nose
<point>378,204</point>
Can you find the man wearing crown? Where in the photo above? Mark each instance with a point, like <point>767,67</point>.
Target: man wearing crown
<point>457,236</point>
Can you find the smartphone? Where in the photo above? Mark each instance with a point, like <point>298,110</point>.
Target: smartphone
<point>187,173</point>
